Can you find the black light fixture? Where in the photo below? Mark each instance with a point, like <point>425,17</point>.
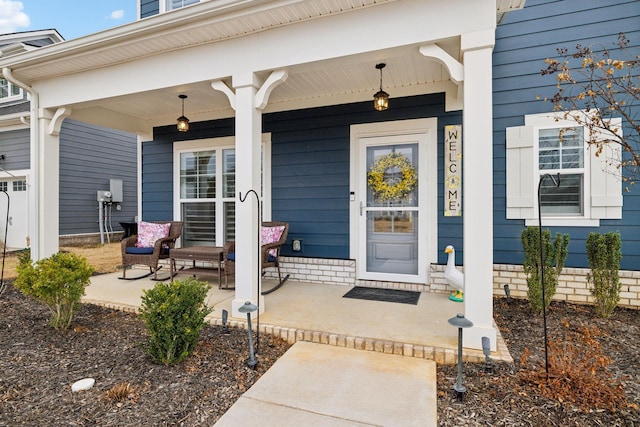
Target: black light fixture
<point>183,122</point>
<point>460,322</point>
<point>249,308</point>
<point>381,98</point>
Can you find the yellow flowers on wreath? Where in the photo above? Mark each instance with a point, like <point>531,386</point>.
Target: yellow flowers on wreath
<point>386,189</point>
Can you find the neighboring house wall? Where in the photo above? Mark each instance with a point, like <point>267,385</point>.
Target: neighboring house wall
<point>523,42</point>
<point>15,147</point>
<point>89,157</point>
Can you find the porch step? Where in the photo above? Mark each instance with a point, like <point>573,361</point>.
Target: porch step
<point>438,354</point>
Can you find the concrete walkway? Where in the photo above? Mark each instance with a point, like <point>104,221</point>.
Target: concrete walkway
<point>321,385</point>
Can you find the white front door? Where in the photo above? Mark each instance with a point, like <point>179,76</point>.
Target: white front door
<point>395,198</point>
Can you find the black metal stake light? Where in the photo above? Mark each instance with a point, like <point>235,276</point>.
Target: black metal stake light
<point>556,182</point>
<point>250,308</point>
<point>486,349</point>
<point>460,322</point>
<point>225,326</point>
<point>507,292</point>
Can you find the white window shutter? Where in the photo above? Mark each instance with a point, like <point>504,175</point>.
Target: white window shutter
<point>606,182</point>
<point>520,172</point>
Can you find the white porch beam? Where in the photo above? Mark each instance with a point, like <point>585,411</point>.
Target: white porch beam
<point>248,138</point>
<point>477,181</point>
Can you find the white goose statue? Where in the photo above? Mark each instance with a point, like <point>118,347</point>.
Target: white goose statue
<point>453,276</point>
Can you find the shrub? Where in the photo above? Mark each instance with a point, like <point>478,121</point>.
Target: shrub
<point>58,282</point>
<point>604,254</point>
<point>578,371</point>
<point>174,316</point>
<point>554,257</point>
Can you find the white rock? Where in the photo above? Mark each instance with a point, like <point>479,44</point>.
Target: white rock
<point>84,384</point>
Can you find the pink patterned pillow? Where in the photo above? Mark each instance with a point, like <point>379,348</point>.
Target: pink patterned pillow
<point>149,232</point>
<point>271,235</point>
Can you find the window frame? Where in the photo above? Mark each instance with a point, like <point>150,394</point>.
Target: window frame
<point>17,97</point>
<point>166,5</point>
<point>602,185</point>
<point>219,144</point>
<point>584,171</point>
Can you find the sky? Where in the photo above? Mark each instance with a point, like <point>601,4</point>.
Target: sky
<point>72,18</point>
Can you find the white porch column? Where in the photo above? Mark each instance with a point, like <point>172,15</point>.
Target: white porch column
<point>248,166</point>
<point>45,162</point>
<point>477,158</point>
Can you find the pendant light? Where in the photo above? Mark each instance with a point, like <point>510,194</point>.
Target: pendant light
<point>381,98</point>
<point>183,122</point>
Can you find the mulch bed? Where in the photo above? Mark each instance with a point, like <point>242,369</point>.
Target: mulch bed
<point>504,397</point>
<point>38,366</point>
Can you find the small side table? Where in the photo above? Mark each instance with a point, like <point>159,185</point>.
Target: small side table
<point>211,254</point>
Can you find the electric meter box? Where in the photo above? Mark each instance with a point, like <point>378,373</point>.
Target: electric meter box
<point>115,187</point>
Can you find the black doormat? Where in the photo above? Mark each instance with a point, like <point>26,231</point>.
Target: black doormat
<point>386,295</point>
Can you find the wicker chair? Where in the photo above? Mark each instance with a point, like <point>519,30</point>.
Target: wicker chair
<point>270,254</point>
<point>131,256</point>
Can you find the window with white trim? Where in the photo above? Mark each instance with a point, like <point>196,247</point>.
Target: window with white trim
<point>205,190</point>
<point>590,187</point>
<point>177,4</point>
<point>9,91</point>
<point>19,185</point>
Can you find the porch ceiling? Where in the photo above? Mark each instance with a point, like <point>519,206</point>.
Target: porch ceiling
<point>329,83</point>
<point>334,81</point>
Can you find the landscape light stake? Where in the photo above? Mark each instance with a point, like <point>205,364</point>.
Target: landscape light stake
<point>459,321</point>
<point>556,182</point>
<point>225,327</point>
<point>250,308</point>
<point>486,349</point>
<point>507,292</point>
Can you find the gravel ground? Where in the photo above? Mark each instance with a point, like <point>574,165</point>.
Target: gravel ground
<point>38,366</point>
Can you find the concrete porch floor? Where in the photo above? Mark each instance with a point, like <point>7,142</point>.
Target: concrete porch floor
<point>317,313</point>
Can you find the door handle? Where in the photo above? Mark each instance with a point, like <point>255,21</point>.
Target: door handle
<point>10,220</point>
<point>361,208</point>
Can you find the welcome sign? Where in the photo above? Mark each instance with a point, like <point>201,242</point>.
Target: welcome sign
<point>453,170</point>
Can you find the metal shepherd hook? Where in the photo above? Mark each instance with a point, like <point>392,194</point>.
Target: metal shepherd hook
<point>556,182</point>
<point>242,200</point>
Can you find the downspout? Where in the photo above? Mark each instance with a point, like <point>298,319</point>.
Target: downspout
<point>32,214</point>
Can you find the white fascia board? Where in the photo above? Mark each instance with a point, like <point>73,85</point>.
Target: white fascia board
<point>333,37</point>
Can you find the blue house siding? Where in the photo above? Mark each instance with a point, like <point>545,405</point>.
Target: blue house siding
<point>523,42</point>
<point>89,157</point>
<point>310,169</point>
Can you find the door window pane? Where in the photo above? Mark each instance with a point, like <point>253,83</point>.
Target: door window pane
<point>392,176</point>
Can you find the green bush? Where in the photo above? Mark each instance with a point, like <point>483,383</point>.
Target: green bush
<point>604,252</point>
<point>555,256</point>
<point>58,282</point>
<point>174,316</point>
